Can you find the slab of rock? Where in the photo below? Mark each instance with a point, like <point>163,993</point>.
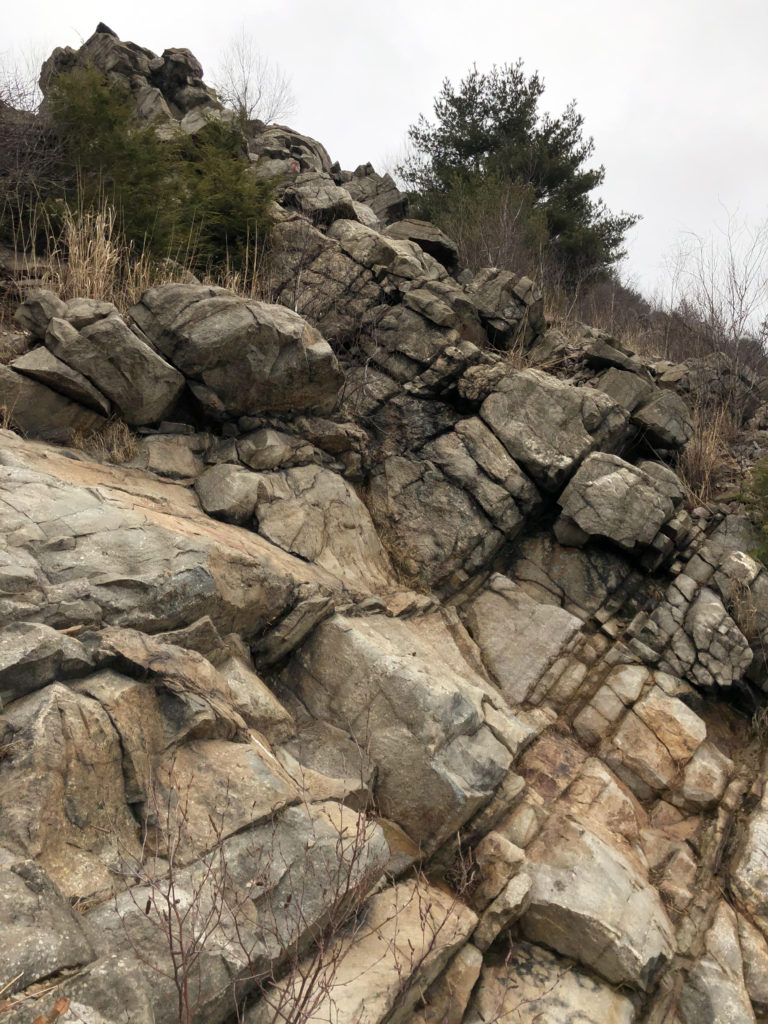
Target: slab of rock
<point>549,427</point>
<point>64,802</point>
<point>253,356</point>
<point>42,365</point>
<point>446,1000</point>
<point>579,580</point>
<point>84,312</point>
<point>307,510</point>
<point>608,497</point>
<point>42,934</point>
<point>377,191</point>
<point>510,307</point>
<point>33,655</point>
<point>311,274</point>
<point>417,718</point>
<point>377,973</point>
<point>592,902</point>
<point>37,411</point>
<point>519,638</point>
<point>432,528</point>
<point>143,387</point>
<point>534,985</point>
<point>84,544</point>
<point>714,990</point>
<point>35,313</point>
<point>626,387</point>
<point>318,197</point>
<point>664,420</point>
<point>429,237</point>
<point>168,456</point>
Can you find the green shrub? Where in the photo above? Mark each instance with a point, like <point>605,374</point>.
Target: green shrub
<point>190,194</point>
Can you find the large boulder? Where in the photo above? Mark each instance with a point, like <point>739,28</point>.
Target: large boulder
<point>253,357</point>
<point>417,717</point>
<point>308,510</point>
<point>608,497</point>
<point>592,902</point>
<point>549,427</point>
<point>142,386</point>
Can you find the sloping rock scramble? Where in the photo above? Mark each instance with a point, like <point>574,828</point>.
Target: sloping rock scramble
<point>389,681</point>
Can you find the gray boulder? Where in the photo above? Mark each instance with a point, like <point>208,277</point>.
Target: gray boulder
<point>253,356</point>
<point>142,385</point>
<point>429,237</point>
<point>549,427</point>
<point>609,497</point>
<point>417,717</point>
<point>42,365</point>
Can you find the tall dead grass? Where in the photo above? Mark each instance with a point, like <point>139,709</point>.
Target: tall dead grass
<point>84,255</point>
<point>705,462</point>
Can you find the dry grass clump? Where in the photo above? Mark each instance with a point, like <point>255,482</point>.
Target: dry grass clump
<point>706,458</point>
<point>115,442</point>
<point>84,255</point>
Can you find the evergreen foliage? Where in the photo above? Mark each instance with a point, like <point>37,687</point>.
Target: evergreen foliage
<point>490,131</point>
<point>192,193</point>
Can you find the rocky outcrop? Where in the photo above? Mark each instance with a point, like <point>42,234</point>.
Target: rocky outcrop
<point>390,680</point>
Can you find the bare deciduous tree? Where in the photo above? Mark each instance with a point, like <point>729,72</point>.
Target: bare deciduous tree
<point>252,84</point>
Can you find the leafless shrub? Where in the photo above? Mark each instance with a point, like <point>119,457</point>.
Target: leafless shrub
<point>251,84</point>
<point>705,457</point>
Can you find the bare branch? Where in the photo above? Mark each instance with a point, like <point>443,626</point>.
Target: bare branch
<point>252,84</point>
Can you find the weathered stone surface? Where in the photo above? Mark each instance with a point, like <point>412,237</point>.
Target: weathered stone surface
<point>519,638</point>
<point>610,498</point>
<point>714,991</point>
<point>754,953</point>
<point>170,456</point>
<point>43,366</point>
<point>319,198</point>
<point>580,581</point>
<point>378,971</point>
<point>308,511</point>
<point>377,191</point>
<point>592,902</point>
<point>511,902</point>
<point>84,312</point>
<point>665,420</point>
<point>397,260</point>
<point>255,357</point>
<point>549,427</point>
<point>626,387</point>
<point>430,526</point>
<point>37,411</point>
<point>415,715</point>
<point>497,860</point>
<point>534,985</point>
<point>63,791</point>
<point>33,655</point>
<point>446,1000</point>
<point>429,237</point>
<point>42,934</point>
<point>36,311</point>
<point>654,742</point>
<point>143,387</point>
<point>311,274</point>
<point>510,307</point>
<point>87,544</point>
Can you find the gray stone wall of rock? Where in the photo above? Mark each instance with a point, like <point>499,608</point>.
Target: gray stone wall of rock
<point>403,674</point>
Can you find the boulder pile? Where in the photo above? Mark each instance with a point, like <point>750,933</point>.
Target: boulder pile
<point>391,679</point>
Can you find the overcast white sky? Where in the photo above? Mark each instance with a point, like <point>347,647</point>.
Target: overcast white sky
<point>673,91</point>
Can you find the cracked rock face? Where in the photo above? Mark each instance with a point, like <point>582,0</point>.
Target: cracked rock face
<point>402,675</point>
